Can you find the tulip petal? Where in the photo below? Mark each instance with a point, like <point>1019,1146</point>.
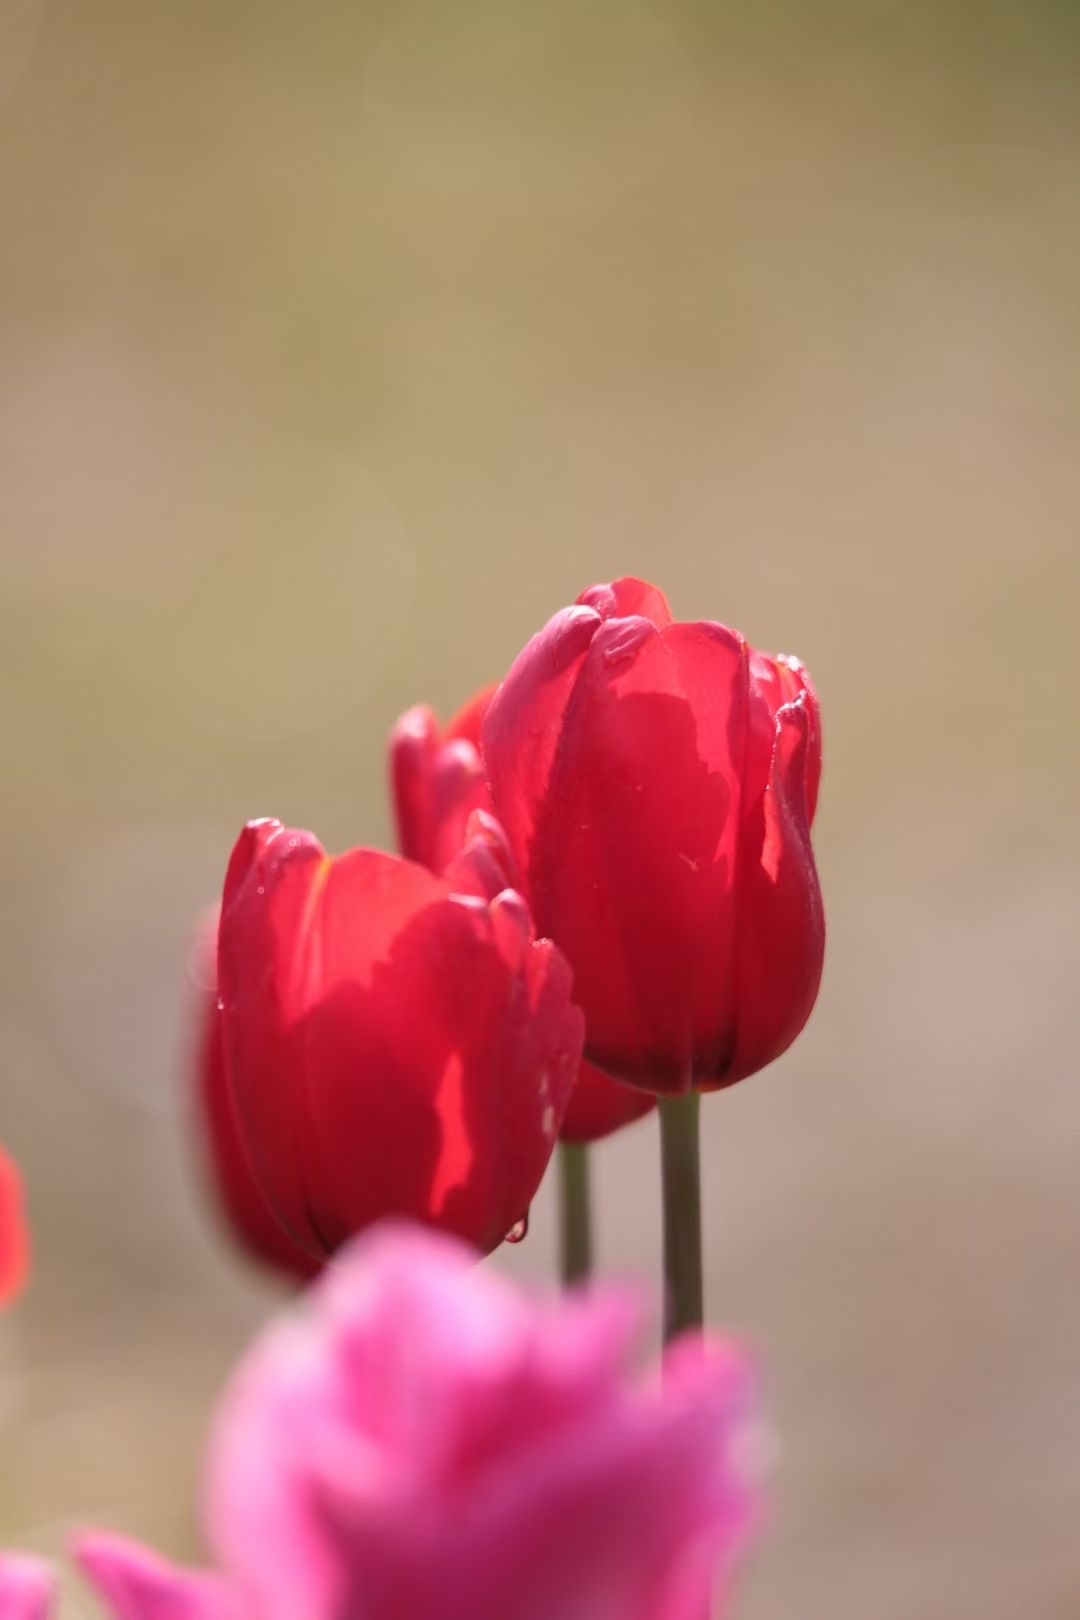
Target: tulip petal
<point>437,783</point>
<point>521,729</point>
<point>27,1588</point>
<point>138,1585</point>
<point>386,1056</point>
<point>484,867</point>
<point>413,743</point>
<point>782,923</point>
<point>425,1442</point>
<point>250,1217</point>
<point>600,1105</point>
<point>629,598</point>
<point>783,680</point>
<point>634,844</point>
<point>416,1382</point>
<point>264,982</point>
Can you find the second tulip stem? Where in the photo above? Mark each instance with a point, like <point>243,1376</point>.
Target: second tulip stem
<point>680,1163</point>
<point>575,1213</point>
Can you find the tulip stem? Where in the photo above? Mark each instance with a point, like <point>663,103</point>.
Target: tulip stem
<point>575,1213</point>
<point>680,1163</point>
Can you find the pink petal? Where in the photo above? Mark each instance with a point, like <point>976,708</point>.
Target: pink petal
<point>138,1585</point>
<point>27,1588</point>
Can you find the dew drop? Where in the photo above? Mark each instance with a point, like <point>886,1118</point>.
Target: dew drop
<point>519,1231</point>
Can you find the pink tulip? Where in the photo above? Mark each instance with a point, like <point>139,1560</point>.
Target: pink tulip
<point>420,1442</point>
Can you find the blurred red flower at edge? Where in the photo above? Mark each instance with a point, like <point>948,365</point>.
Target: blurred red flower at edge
<point>14,1238</point>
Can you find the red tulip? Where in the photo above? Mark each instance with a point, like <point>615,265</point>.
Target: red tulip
<point>437,782</point>
<point>397,1043</point>
<point>247,1212</point>
<point>656,782</point>
<point>14,1243</point>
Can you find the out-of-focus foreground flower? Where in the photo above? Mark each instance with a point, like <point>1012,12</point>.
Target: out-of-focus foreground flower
<point>437,782</point>
<point>395,1042</point>
<point>656,781</point>
<point>420,1442</point>
<point>26,1588</point>
<point>14,1242</point>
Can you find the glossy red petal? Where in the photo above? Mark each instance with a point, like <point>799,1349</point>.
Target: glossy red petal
<point>459,791</point>
<point>248,1214</point>
<point>413,744</point>
<point>781,919</point>
<point>629,598</point>
<point>783,680</point>
<point>454,1082</point>
<point>436,786</point>
<point>264,962</point>
<point>516,1099</point>
<point>632,852</point>
<point>600,1105</point>
<point>485,865</point>
<point>522,726</point>
<point>386,1054</point>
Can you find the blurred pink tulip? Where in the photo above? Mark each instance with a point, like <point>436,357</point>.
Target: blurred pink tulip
<point>420,1442</point>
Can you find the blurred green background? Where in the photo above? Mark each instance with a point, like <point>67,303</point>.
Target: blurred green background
<point>342,344</point>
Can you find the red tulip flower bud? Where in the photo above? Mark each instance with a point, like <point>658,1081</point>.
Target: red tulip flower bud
<point>397,1042</point>
<point>656,781</point>
<point>437,782</point>
<point>249,1216</point>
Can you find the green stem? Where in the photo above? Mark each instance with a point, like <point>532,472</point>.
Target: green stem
<point>575,1215</point>
<point>680,1162</point>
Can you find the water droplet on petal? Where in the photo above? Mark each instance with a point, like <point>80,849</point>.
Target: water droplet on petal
<point>519,1231</point>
